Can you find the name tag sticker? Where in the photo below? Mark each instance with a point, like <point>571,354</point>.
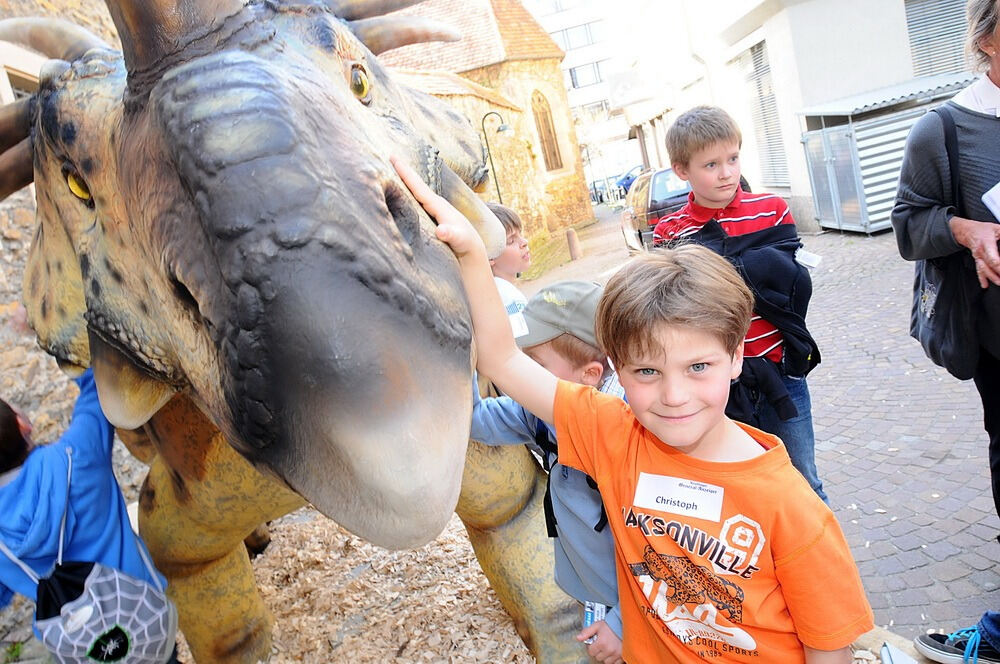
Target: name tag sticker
<point>677,495</point>
<point>518,324</point>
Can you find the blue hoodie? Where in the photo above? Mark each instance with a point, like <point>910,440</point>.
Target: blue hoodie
<point>32,504</point>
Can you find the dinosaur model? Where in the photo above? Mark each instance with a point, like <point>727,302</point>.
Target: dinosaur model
<point>220,235</point>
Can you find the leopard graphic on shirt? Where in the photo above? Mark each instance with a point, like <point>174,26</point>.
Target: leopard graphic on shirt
<point>686,582</point>
<point>673,582</point>
<point>694,602</point>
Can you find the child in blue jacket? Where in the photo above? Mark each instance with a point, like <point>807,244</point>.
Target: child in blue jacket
<point>34,497</point>
<point>560,336</point>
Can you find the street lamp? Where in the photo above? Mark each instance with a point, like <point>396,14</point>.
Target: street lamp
<point>504,128</point>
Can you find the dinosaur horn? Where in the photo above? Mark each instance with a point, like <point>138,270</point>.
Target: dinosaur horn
<point>52,37</point>
<point>151,29</point>
<point>386,33</point>
<point>352,10</point>
<point>456,192</point>
<point>15,123</point>
<point>16,168</point>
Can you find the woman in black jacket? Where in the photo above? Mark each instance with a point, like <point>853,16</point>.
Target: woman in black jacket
<point>928,226</point>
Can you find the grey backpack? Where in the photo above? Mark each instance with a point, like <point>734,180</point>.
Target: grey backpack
<point>88,612</point>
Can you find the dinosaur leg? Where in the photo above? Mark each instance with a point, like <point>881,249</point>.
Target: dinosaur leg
<point>198,503</point>
<point>501,507</point>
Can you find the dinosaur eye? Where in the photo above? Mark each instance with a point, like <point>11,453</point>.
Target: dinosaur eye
<point>360,85</point>
<point>78,186</point>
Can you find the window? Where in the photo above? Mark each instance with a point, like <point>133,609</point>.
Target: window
<point>577,36</point>
<point>666,184</point>
<point>580,35</point>
<point>546,131</point>
<point>937,36</point>
<point>592,112</point>
<point>588,74</point>
<point>764,110</point>
<point>546,7</point>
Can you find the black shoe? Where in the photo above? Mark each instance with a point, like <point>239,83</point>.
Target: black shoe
<point>966,646</point>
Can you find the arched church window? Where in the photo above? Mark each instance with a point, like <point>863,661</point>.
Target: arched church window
<point>546,131</point>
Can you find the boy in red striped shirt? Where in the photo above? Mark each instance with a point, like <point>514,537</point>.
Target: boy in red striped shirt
<point>757,234</point>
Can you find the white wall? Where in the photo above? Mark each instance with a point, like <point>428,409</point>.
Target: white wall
<point>848,46</point>
<point>818,50</point>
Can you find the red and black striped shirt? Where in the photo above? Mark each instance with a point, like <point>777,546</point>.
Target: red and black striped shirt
<point>746,213</point>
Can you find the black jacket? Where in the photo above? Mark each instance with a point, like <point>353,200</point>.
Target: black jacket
<point>781,287</point>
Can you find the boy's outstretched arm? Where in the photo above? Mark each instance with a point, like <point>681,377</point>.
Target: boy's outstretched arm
<point>498,357</point>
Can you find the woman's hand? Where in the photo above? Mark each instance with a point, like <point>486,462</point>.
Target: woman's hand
<point>981,238</point>
<point>452,226</point>
<point>606,648</point>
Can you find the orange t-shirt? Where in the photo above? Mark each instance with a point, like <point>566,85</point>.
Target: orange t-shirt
<point>724,562</point>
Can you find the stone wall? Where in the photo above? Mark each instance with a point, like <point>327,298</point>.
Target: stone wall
<point>513,160</point>
<point>564,190</point>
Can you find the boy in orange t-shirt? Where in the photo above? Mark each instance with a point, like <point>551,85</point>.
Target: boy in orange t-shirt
<point>723,552</point>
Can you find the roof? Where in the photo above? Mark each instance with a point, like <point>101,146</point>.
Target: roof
<point>494,31</point>
<point>929,87</point>
<point>446,84</point>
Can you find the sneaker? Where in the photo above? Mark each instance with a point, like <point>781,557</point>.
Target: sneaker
<point>965,646</point>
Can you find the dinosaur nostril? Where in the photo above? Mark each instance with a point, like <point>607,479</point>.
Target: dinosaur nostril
<point>401,207</point>
<point>183,294</point>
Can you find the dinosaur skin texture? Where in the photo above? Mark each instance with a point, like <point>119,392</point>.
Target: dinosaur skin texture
<point>221,236</point>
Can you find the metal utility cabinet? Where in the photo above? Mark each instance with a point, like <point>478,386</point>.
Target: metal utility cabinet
<point>854,149</point>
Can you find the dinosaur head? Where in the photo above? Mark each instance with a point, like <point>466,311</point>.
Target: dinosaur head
<point>217,215</point>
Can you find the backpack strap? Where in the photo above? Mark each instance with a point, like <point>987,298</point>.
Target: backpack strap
<point>153,574</point>
<point>544,444</point>
<point>62,522</point>
<point>951,147</point>
<point>603,521</point>
<point>20,563</point>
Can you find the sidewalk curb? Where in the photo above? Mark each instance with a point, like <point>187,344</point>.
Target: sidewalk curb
<point>874,639</point>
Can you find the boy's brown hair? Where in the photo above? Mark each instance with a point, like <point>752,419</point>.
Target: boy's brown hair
<point>577,352</point>
<point>699,128</point>
<point>508,218</point>
<point>687,286</point>
<point>13,446</point>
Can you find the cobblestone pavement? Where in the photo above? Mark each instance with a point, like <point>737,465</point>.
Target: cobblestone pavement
<point>900,443</point>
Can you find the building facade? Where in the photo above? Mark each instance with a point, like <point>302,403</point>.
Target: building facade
<point>505,50</point>
<point>591,33</point>
<point>768,62</point>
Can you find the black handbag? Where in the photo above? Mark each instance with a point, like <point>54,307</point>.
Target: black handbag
<point>946,291</point>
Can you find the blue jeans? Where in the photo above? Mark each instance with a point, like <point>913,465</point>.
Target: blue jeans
<point>797,433</point>
<point>989,628</point>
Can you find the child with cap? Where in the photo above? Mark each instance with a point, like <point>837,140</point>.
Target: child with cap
<point>560,337</point>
